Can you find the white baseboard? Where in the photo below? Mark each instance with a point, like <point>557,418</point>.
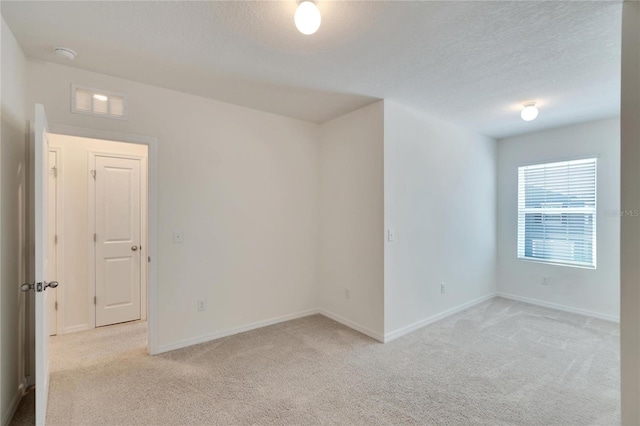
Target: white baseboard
<point>353,325</point>
<point>329,314</point>
<point>6,418</point>
<point>430,320</point>
<point>76,328</point>
<point>560,307</point>
<point>225,333</point>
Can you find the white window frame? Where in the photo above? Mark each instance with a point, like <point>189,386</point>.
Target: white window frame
<point>94,91</point>
<point>522,211</point>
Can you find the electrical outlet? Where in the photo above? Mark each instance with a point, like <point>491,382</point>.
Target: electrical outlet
<point>545,281</point>
<point>443,288</point>
<point>347,293</point>
<point>202,305</point>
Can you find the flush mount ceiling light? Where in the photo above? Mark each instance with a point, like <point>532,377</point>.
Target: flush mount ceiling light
<point>307,17</point>
<point>529,112</point>
<point>65,52</point>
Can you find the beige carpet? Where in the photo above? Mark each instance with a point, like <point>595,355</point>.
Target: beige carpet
<point>25,414</point>
<point>501,362</point>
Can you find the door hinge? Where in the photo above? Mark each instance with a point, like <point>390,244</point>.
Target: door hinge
<point>95,300</point>
<point>93,173</point>
<point>56,305</point>
<point>54,170</point>
<point>55,239</point>
<point>95,237</point>
<point>149,259</point>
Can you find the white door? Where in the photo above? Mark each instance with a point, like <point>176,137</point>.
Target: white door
<point>41,186</point>
<point>52,304</point>
<point>118,239</point>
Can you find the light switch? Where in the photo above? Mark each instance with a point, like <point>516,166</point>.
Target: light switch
<point>391,235</point>
<point>177,237</point>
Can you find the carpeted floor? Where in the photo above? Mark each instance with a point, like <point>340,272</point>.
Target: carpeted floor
<point>25,415</point>
<point>498,363</point>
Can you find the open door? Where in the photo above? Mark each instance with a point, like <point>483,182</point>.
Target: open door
<point>40,191</point>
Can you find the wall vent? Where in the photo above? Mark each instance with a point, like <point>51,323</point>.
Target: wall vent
<point>98,102</point>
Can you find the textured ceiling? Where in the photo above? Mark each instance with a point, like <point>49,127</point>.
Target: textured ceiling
<point>473,63</point>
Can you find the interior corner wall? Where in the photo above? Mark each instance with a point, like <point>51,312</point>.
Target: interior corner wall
<point>241,185</point>
<point>352,220</point>
<point>630,226</point>
<point>590,291</point>
<point>440,201</point>
<point>12,234</point>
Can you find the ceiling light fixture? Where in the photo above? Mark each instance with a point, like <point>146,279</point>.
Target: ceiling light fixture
<point>65,52</point>
<point>100,97</point>
<point>529,112</point>
<point>307,17</point>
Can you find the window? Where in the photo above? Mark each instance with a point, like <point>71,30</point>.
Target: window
<point>557,213</point>
<point>85,100</point>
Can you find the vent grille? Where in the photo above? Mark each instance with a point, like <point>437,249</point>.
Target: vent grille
<point>98,102</point>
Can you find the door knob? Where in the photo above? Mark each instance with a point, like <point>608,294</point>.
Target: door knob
<point>134,248</point>
<point>38,286</point>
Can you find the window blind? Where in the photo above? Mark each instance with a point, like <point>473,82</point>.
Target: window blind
<point>557,212</point>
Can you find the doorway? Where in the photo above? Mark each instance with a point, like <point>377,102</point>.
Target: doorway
<point>41,134</point>
<point>99,232</point>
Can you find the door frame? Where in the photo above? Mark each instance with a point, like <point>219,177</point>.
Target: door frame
<point>152,214</point>
<point>144,189</point>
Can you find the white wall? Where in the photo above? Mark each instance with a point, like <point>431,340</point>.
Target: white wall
<point>595,292</point>
<point>12,233</point>
<point>75,297</point>
<point>242,186</point>
<point>630,229</point>
<point>352,219</point>
<point>440,199</point>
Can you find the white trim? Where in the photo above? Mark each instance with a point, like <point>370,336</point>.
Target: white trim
<point>560,160</point>
<point>152,210</point>
<point>13,406</point>
<point>353,325</point>
<point>560,307</point>
<point>430,320</point>
<point>77,328</point>
<point>91,245</point>
<point>83,132</point>
<point>144,239</point>
<point>230,332</point>
<point>554,263</point>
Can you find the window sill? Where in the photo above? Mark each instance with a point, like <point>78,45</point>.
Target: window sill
<point>570,265</point>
